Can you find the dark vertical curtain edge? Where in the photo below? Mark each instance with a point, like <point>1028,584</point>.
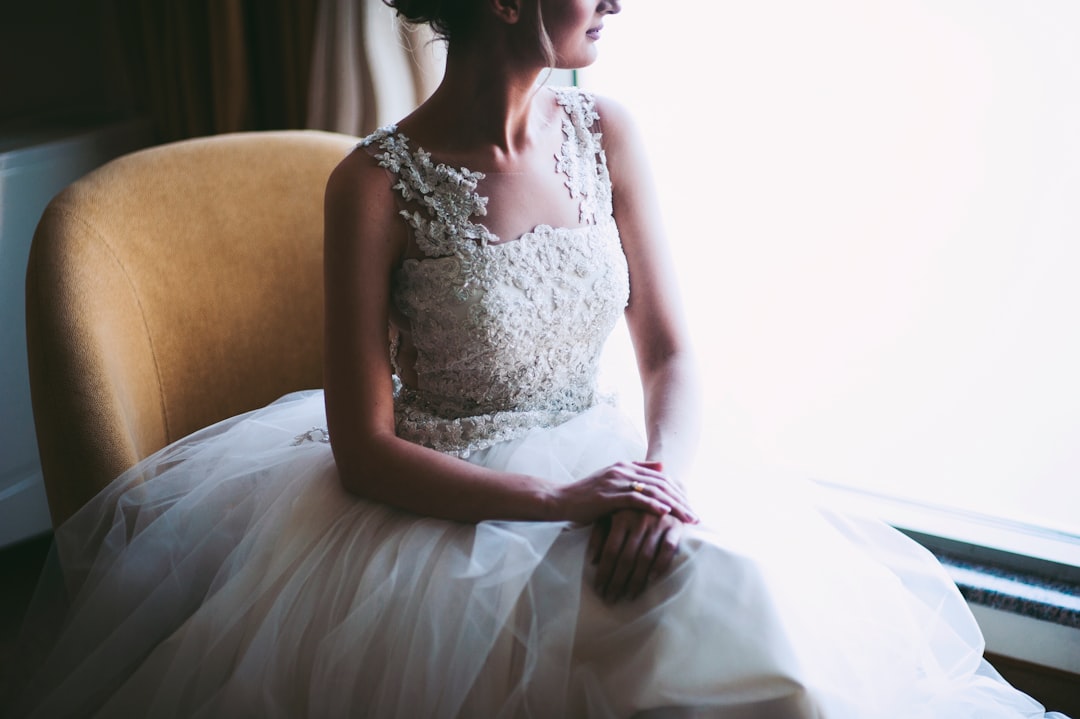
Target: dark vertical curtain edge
<point>202,67</point>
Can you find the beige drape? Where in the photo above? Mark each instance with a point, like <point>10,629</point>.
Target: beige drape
<point>368,69</point>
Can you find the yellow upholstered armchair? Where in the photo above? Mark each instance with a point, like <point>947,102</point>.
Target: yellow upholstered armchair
<point>170,289</point>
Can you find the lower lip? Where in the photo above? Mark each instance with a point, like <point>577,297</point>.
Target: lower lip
<point>593,34</point>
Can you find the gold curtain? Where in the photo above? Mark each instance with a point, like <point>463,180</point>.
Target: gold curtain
<point>202,67</point>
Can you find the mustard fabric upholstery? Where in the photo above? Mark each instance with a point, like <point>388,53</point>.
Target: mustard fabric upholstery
<point>169,289</point>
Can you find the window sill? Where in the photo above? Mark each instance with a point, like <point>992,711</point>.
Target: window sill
<point>1021,582</point>
<point>1023,616</point>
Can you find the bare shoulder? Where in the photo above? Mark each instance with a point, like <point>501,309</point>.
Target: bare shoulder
<point>611,110</point>
<point>617,124</point>
<point>624,149</point>
<point>357,173</point>
<point>360,205</point>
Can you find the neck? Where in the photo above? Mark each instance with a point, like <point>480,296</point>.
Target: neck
<point>484,103</point>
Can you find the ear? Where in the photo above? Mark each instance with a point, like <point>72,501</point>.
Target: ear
<point>509,11</point>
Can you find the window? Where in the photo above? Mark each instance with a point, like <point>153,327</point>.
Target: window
<point>875,207</point>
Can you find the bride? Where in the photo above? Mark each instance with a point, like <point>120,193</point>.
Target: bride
<point>471,529</point>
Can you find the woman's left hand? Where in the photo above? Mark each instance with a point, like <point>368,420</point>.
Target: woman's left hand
<point>631,549</point>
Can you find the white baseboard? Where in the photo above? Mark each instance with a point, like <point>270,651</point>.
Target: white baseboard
<point>1028,639</point>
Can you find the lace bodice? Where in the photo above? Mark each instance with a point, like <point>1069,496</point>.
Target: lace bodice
<point>508,334</point>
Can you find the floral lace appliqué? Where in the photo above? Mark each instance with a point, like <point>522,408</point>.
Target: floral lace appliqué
<point>448,195</point>
<point>582,157</point>
<point>315,434</point>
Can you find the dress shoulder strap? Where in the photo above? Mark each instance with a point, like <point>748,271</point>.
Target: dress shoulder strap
<point>581,157</point>
<point>438,200</point>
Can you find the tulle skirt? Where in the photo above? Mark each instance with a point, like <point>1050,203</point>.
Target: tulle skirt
<point>230,575</point>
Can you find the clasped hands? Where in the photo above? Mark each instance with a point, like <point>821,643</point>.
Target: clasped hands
<point>638,519</point>
<point>630,550</point>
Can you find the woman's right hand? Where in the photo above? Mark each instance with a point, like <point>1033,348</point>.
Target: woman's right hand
<point>623,485</point>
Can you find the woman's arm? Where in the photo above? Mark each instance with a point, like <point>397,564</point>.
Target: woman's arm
<point>654,315</point>
<point>363,243</point>
<point>631,548</point>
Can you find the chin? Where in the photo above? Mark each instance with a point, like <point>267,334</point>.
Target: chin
<point>575,63</point>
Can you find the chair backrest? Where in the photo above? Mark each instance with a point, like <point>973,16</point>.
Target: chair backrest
<point>170,289</point>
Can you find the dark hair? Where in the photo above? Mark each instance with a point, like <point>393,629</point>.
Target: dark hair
<point>454,19</point>
<point>447,18</point>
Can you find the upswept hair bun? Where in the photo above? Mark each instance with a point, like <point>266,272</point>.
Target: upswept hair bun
<point>447,18</point>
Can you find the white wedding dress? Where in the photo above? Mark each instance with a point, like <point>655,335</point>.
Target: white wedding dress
<point>230,575</point>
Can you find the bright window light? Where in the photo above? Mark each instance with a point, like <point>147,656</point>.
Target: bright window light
<point>875,207</point>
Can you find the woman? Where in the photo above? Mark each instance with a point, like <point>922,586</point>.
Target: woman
<point>435,556</point>
<point>488,115</point>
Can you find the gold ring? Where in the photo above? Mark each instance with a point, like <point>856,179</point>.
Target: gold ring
<point>637,487</point>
